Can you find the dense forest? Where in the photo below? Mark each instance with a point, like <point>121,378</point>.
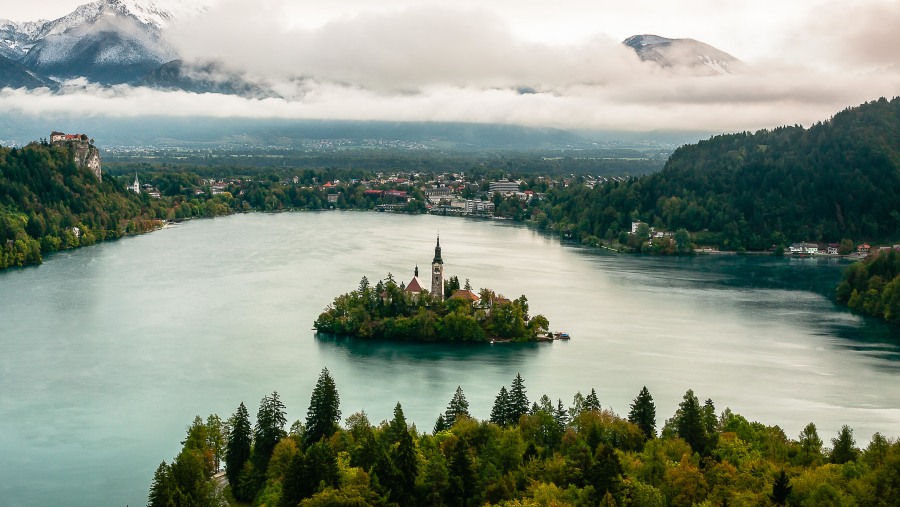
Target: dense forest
<point>388,311</point>
<point>49,203</point>
<point>872,286</point>
<point>837,179</point>
<point>526,453</point>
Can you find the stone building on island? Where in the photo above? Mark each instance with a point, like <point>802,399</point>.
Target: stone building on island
<point>414,287</point>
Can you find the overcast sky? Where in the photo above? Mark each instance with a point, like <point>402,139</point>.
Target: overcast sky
<point>464,60</point>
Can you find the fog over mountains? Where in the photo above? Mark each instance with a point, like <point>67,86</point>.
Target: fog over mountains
<point>111,42</point>
<point>412,62</point>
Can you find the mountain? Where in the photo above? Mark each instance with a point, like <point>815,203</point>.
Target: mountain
<point>203,78</point>
<point>684,54</point>
<point>15,75</point>
<point>106,41</point>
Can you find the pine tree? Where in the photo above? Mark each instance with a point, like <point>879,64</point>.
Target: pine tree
<point>397,427</point>
<point>404,457</point>
<point>781,488</point>
<point>270,421</point>
<point>518,400</point>
<point>324,413</point>
<point>161,494</point>
<point>499,414</point>
<point>709,417</point>
<point>458,407</point>
<point>440,424</point>
<point>844,446</point>
<point>237,451</point>
<point>591,402</point>
<point>689,422</point>
<point>292,489</point>
<point>562,415</point>
<point>643,413</point>
<point>462,475</point>
<point>606,472</point>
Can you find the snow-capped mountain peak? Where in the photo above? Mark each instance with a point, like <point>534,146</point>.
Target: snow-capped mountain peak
<point>695,56</point>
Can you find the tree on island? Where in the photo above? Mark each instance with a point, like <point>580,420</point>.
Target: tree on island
<point>390,312</point>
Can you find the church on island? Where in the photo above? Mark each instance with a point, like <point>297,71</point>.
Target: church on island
<point>442,312</point>
<point>414,288</point>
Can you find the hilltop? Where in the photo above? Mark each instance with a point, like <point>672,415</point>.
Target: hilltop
<point>838,179</point>
<point>52,198</point>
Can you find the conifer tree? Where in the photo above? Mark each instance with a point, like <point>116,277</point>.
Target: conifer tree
<point>292,490</point>
<point>591,402</point>
<point>843,447</point>
<point>709,417</point>
<point>237,452</point>
<point>781,488</point>
<point>462,475</point>
<point>458,407</point>
<point>161,493</point>
<point>643,413</point>
<point>561,416</point>
<point>499,413</point>
<point>606,472</point>
<point>689,422</point>
<point>397,427</point>
<point>518,400</point>
<point>404,457</point>
<point>270,421</point>
<point>440,424</point>
<point>324,413</point>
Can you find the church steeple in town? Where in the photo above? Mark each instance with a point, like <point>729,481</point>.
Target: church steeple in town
<point>437,273</point>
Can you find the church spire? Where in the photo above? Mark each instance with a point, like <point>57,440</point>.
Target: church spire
<point>417,271</point>
<point>437,252</point>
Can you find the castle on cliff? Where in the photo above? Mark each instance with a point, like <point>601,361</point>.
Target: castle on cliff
<point>86,154</point>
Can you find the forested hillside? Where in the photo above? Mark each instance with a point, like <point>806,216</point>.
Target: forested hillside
<point>837,179</point>
<point>872,286</point>
<point>540,453</point>
<point>48,203</point>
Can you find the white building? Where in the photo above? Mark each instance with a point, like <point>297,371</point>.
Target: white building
<point>503,186</point>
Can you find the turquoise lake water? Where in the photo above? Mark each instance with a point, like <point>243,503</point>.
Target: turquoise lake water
<point>109,352</point>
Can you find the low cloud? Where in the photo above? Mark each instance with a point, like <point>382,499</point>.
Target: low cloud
<point>466,65</point>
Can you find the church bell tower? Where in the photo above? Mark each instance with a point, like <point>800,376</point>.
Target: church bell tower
<point>437,273</point>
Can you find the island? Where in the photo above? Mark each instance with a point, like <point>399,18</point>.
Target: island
<point>445,313</point>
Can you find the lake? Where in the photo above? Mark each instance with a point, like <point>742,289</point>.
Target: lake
<point>109,352</point>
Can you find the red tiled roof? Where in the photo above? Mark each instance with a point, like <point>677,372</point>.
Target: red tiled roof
<point>414,286</point>
<point>465,294</point>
